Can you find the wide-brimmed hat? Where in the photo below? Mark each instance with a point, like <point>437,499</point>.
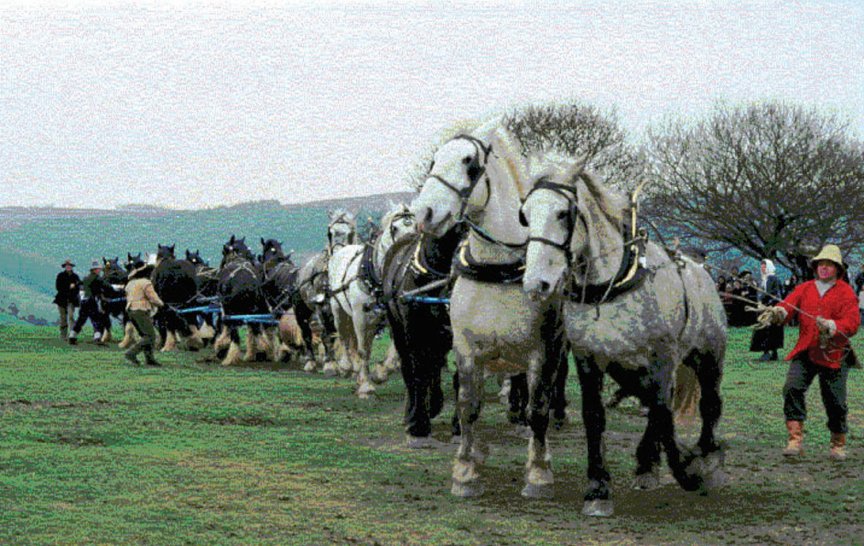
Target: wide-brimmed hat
<point>830,253</point>
<point>96,264</point>
<point>67,262</point>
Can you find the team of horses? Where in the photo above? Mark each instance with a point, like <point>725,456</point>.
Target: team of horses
<point>516,260</point>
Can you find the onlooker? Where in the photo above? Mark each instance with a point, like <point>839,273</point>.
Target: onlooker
<point>769,339</point>
<point>91,306</point>
<point>68,285</point>
<point>828,311</point>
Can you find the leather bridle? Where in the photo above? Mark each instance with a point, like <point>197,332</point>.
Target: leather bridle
<point>475,171</point>
<point>569,194</point>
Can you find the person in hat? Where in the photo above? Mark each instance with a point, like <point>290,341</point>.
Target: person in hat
<point>768,340</point>
<point>68,285</point>
<point>141,302</point>
<point>827,310</point>
<point>91,306</point>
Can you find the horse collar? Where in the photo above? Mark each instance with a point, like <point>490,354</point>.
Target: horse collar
<point>465,265</point>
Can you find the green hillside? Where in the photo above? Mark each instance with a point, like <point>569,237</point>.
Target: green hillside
<point>33,246</point>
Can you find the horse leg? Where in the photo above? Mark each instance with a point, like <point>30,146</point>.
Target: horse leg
<point>466,479</point>
<point>128,333</point>
<point>364,331</point>
<point>391,364</point>
<point>538,469</point>
<point>106,332</point>
<point>559,393</point>
<point>345,332</point>
<point>232,357</point>
<point>170,342</point>
<point>303,314</point>
<point>251,342</point>
<point>710,453</point>
<point>657,395</point>
<point>598,497</point>
<point>517,400</point>
<point>222,342</point>
<point>263,343</point>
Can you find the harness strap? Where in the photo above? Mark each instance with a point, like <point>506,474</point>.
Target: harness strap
<point>465,265</point>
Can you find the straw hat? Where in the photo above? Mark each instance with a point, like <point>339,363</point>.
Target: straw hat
<point>830,253</point>
<point>96,264</point>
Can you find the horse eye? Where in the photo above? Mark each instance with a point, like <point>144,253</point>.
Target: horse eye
<point>466,160</point>
<point>562,215</point>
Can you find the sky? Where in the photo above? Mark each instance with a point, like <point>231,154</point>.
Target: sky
<point>195,105</point>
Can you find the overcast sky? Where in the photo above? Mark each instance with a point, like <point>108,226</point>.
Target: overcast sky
<point>197,105</point>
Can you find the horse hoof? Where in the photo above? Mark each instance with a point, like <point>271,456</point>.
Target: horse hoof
<point>646,482</point>
<point>309,367</point>
<point>465,490</point>
<point>601,508</point>
<point>535,491</point>
<point>422,442</point>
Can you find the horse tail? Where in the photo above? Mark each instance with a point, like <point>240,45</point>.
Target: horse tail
<point>685,398</point>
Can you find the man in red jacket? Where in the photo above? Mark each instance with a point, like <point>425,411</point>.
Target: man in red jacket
<point>828,312</point>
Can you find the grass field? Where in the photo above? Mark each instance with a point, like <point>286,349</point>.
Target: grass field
<point>93,451</point>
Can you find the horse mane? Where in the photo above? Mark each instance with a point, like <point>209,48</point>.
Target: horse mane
<point>613,205</point>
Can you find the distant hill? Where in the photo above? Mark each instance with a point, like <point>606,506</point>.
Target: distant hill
<point>35,241</point>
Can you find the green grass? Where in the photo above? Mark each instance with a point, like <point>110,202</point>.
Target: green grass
<point>92,451</point>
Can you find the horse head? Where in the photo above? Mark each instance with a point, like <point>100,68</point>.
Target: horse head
<point>341,230</point>
<point>195,258</point>
<point>165,253</point>
<point>398,223</point>
<point>131,261</point>
<point>271,249</point>
<point>236,248</point>
<point>113,271</point>
<point>458,182</point>
<point>573,223</point>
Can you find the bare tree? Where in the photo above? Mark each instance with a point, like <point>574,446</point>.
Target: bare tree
<point>580,130</point>
<point>772,180</point>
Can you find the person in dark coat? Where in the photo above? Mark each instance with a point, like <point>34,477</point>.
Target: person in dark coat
<point>68,285</point>
<point>770,339</point>
<point>91,306</point>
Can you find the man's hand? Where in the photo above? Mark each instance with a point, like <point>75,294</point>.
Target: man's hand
<point>826,326</point>
<point>771,316</point>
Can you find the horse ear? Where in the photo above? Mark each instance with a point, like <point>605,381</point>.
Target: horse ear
<point>172,247</point>
<point>104,261</point>
<point>262,241</point>
<point>231,240</point>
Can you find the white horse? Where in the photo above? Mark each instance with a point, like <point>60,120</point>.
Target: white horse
<point>311,301</point>
<point>633,312</point>
<point>354,273</point>
<point>481,179</point>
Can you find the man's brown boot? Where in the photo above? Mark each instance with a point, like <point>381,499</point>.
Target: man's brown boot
<point>795,445</point>
<point>838,446</point>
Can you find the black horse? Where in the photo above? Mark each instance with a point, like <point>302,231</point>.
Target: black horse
<point>240,292</point>
<point>279,276</point>
<point>114,296</point>
<point>207,279</point>
<point>174,281</point>
<point>311,301</point>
